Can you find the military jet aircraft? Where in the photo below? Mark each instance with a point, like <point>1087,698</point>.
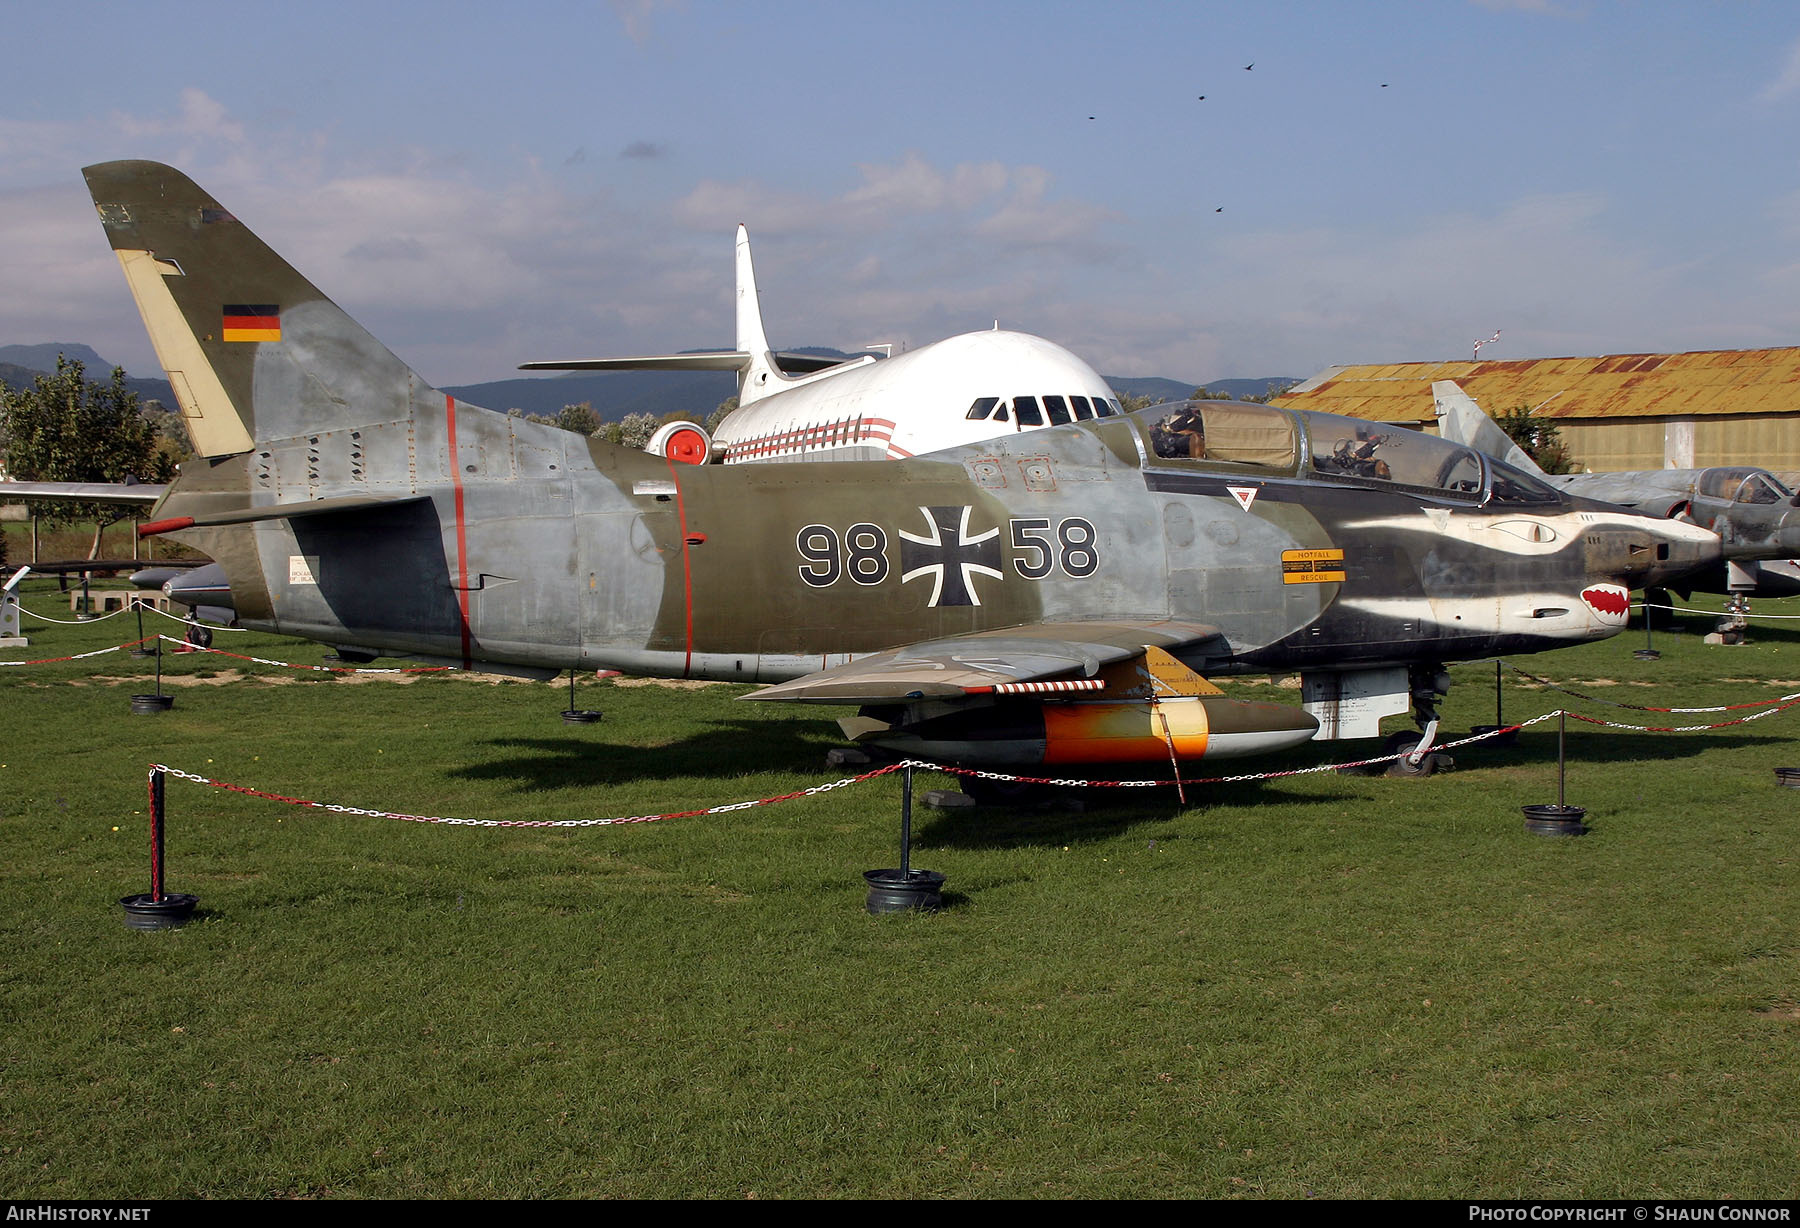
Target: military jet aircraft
<point>1054,597</point>
<point>1756,517</point>
<point>802,407</point>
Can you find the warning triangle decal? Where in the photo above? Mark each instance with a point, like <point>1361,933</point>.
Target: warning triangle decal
<point>1245,495</point>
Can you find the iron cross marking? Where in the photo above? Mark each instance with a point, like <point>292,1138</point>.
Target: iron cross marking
<point>950,556</point>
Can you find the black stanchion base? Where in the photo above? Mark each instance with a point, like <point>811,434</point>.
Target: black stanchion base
<point>1509,738</point>
<point>142,912</point>
<point>141,653</point>
<point>143,704</point>
<point>1788,777</point>
<point>892,891</point>
<point>1646,654</point>
<point>1555,820</point>
<point>579,716</point>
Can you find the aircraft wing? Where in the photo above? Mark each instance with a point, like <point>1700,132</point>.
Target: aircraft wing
<point>712,360</point>
<point>988,662</point>
<point>81,492</point>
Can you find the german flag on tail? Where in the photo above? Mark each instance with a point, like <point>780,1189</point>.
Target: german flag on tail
<point>251,322</point>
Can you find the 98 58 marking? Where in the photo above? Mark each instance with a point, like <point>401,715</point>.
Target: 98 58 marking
<point>861,552</point>
<point>1040,546</point>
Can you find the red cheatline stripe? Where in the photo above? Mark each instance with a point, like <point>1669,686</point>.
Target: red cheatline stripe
<point>462,536</point>
<point>687,568</point>
<point>845,431</point>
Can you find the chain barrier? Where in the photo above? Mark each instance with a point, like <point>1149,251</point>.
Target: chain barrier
<point>1743,720</point>
<point>1688,609</point>
<point>82,656</point>
<point>1595,699</point>
<point>948,769</point>
<point>129,606</point>
<point>323,669</point>
<point>74,622</point>
<point>534,823</point>
<point>811,791</point>
<point>184,647</point>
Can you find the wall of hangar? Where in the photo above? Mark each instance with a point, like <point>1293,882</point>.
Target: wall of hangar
<point>1611,444</point>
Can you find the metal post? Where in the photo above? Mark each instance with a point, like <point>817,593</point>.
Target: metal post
<point>156,836</point>
<point>1499,720</point>
<point>159,910</point>
<point>906,786</point>
<point>904,889</point>
<point>1562,721</point>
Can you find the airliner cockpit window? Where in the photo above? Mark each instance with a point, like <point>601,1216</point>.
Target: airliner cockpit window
<point>1083,411</point>
<point>1105,409</point>
<point>1057,410</point>
<point>982,408</point>
<point>1027,410</point>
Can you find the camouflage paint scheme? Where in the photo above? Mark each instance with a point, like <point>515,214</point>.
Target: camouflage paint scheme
<point>1755,515</point>
<point>350,503</point>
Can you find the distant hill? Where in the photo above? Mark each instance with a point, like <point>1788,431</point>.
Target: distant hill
<point>20,365</point>
<point>1159,390</point>
<point>43,357</point>
<point>613,394</point>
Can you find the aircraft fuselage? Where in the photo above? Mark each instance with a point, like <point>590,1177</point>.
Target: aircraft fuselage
<point>532,547</point>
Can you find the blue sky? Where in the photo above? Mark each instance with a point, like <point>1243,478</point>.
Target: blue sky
<point>1391,182</point>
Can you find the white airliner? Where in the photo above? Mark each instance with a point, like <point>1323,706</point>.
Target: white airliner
<point>802,407</point>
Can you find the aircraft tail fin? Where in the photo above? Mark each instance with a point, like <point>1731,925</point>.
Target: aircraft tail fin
<point>253,350</point>
<point>760,376</point>
<point>1461,420</point>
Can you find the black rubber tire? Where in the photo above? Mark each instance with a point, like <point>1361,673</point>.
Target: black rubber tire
<point>1405,740</point>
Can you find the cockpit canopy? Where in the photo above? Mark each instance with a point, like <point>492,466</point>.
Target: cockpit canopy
<point>1742,484</point>
<point>1235,435</point>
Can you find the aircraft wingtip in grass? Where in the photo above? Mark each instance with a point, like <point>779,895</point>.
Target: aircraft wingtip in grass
<point>1058,596</point>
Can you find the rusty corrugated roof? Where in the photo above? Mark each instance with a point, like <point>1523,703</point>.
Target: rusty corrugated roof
<point>1612,385</point>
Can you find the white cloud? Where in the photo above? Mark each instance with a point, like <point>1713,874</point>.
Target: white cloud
<point>465,273</point>
<point>1788,79</point>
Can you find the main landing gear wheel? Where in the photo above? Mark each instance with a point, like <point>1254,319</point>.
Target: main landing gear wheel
<point>1429,763</point>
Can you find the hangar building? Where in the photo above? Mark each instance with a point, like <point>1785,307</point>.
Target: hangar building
<point>1620,411</point>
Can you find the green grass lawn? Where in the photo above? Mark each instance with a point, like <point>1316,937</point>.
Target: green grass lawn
<point>1322,985</point>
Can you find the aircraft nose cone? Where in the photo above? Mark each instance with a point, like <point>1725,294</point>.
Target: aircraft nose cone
<point>202,586</point>
<point>1646,552</point>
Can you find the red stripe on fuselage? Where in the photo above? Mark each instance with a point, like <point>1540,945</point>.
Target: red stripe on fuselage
<point>687,568</point>
<point>462,533</point>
